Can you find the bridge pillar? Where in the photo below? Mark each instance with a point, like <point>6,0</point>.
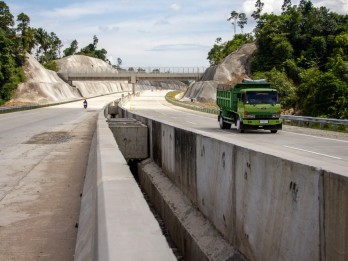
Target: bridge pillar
<point>133,78</point>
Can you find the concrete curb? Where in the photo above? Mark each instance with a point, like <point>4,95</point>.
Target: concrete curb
<point>115,220</point>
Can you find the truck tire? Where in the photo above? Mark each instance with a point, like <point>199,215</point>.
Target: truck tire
<point>239,125</point>
<point>223,125</point>
<point>274,131</point>
<point>221,122</point>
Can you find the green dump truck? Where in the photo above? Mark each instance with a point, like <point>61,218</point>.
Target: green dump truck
<point>251,104</point>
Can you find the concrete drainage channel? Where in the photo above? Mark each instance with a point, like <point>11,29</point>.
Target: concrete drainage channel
<point>133,166</point>
<point>116,222</point>
<point>188,233</point>
<point>131,137</point>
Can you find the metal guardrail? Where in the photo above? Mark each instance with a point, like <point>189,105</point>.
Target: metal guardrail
<point>25,107</point>
<point>309,121</point>
<point>37,106</point>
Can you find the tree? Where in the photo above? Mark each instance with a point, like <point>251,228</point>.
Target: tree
<point>242,21</point>
<point>233,17</point>
<point>71,49</point>
<point>95,42</point>
<point>286,5</point>
<point>259,7</point>
<point>119,62</point>
<point>26,34</point>
<point>215,54</point>
<point>6,18</point>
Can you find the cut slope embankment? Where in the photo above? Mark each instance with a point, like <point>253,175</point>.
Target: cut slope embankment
<point>234,67</point>
<point>42,85</point>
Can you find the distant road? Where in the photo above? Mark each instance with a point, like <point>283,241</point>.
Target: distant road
<point>317,148</point>
<point>43,159</point>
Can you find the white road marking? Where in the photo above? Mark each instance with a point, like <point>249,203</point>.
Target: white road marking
<point>346,141</point>
<point>191,122</point>
<point>321,154</point>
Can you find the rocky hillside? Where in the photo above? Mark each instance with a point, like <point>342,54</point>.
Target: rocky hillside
<point>44,86</point>
<point>233,68</point>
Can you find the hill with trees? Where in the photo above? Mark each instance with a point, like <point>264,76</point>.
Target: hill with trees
<point>304,52</point>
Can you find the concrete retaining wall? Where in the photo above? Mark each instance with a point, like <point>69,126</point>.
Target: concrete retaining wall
<point>115,220</point>
<point>268,207</point>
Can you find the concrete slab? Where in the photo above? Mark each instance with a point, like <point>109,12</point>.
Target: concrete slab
<point>131,137</point>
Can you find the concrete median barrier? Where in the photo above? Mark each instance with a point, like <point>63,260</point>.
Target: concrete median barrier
<point>266,206</point>
<point>115,221</point>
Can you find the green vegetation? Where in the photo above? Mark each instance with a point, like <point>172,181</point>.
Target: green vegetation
<point>89,50</point>
<point>304,53</point>
<point>221,50</point>
<point>11,55</point>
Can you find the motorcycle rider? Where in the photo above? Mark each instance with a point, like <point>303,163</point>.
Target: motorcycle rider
<point>85,104</point>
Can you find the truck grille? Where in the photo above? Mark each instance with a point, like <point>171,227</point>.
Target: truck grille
<point>263,116</point>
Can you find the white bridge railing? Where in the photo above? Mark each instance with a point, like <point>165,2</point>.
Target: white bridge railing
<point>139,69</point>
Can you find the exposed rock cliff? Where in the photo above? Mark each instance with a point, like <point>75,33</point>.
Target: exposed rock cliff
<point>233,68</point>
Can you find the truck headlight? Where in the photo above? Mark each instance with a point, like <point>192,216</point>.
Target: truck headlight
<point>249,116</point>
<point>276,115</point>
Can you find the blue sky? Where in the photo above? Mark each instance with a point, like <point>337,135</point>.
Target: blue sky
<point>148,32</point>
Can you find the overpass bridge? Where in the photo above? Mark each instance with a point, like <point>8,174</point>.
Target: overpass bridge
<point>132,76</point>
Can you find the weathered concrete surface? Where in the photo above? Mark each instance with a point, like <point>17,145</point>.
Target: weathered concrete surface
<point>131,137</point>
<point>277,208</point>
<point>41,179</point>
<point>190,231</point>
<point>115,222</point>
<point>266,206</point>
<point>215,184</point>
<point>95,88</point>
<point>335,217</point>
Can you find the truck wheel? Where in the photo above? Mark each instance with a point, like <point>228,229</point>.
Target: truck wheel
<point>239,126</point>
<point>221,122</point>
<point>273,131</point>
<point>224,125</point>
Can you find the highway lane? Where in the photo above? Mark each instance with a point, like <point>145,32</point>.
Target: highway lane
<point>43,159</point>
<point>311,147</point>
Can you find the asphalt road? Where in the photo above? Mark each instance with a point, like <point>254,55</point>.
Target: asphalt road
<point>43,159</point>
<point>321,149</point>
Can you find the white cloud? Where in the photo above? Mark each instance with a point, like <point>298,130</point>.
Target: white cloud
<point>161,22</point>
<point>339,6</point>
<point>109,28</point>
<point>175,7</point>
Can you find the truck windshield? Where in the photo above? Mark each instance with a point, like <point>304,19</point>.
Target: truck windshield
<point>261,97</point>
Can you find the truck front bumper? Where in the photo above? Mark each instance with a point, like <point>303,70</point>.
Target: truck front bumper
<point>276,124</point>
